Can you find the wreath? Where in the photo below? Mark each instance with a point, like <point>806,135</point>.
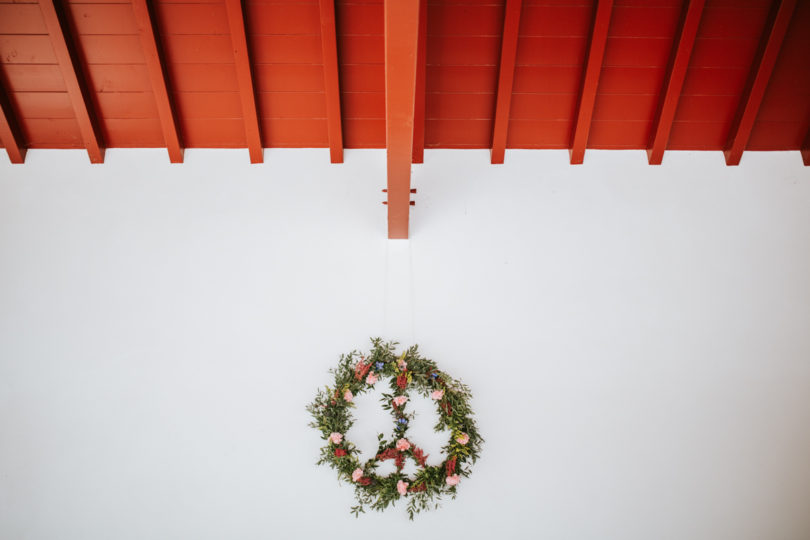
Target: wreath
<point>357,373</point>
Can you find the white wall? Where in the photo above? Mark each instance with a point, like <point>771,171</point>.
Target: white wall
<point>637,338</point>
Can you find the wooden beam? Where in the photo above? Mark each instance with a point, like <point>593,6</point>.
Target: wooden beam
<point>770,44</point>
<point>401,37</point>
<point>419,102</point>
<point>590,82</point>
<point>157,76</point>
<point>244,79</point>
<point>506,76</point>
<point>331,80</point>
<point>73,72</point>
<point>10,132</point>
<point>685,41</point>
<point>805,150</point>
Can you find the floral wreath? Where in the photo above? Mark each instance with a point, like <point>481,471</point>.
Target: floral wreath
<point>357,373</point>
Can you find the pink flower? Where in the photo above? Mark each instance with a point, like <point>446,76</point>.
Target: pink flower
<point>402,487</point>
<point>403,445</point>
<point>452,480</point>
<point>372,378</point>
<point>357,474</point>
<point>437,394</point>
<point>348,396</point>
<point>463,438</point>
<point>399,401</point>
<point>335,437</point>
<point>402,364</point>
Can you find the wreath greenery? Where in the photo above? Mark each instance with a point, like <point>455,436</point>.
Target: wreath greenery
<point>357,373</point>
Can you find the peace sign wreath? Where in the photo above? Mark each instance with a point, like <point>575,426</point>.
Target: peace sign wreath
<point>357,373</point>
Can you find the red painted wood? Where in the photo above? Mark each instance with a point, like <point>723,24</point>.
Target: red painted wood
<point>103,19</point>
<point>447,19</point>
<point>157,74</point>
<point>421,85</point>
<point>593,66</point>
<point>236,23</point>
<point>761,74</point>
<point>133,132</point>
<point>10,133</point>
<point>401,39</point>
<point>72,72</point>
<point>547,19</point>
<point>287,19</point>
<point>293,105</point>
<point>462,57</point>
<point>506,74</point>
<point>357,18</point>
<point>674,83</point>
<point>805,149</point>
<point>331,79</point>
<point>302,78</point>
<point>192,19</point>
<point>21,19</point>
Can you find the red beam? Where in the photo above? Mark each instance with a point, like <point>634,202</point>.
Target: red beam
<point>506,75</point>
<point>590,82</point>
<point>419,103</point>
<point>331,80</point>
<point>771,43</point>
<point>9,129</point>
<point>401,37</point>
<point>157,76</point>
<point>674,83</point>
<point>244,79</point>
<point>806,149</point>
<point>59,29</point>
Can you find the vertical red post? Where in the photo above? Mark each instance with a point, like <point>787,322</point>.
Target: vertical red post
<point>421,73</point>
<point>9,129</point>
<point>157,77</point>
<point>244,78</point>
<point>679,63</point>
<point>771,44</point>
<point>506,76</point>
<point>332,80</point>
<point>401,37</point>
<point>590,82</point>
<point>805,150</point>
<point>70,64</point>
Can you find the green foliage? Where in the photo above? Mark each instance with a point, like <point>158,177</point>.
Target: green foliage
<point>409,371</point>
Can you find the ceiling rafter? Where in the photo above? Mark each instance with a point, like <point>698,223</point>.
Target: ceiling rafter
<point>244,77</point>
<point>73,71</point>
<point>590,82</point>
<point>419,103</point>
<point>401,38</point>
<point>10,133</point>
<point>331,80</point>
<point>676,74</point>
<point>762,68</point>
<point>157,77</point>
<point>506,76</point>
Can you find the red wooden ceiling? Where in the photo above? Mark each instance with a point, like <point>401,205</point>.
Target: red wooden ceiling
<point>463,53</point>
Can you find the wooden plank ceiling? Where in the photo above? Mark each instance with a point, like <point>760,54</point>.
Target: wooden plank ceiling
<point>724,75</point>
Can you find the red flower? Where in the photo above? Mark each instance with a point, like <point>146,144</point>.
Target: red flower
<point>447,408</point>
<point>340,452</point>
<point>361,370</point>
<point>402,380</point>
<point>418,487</point>
<point>400,461</point>
<point>389,453</point>
<point>364,481</point>
<point>450,467</point>
<point>420,456</point>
